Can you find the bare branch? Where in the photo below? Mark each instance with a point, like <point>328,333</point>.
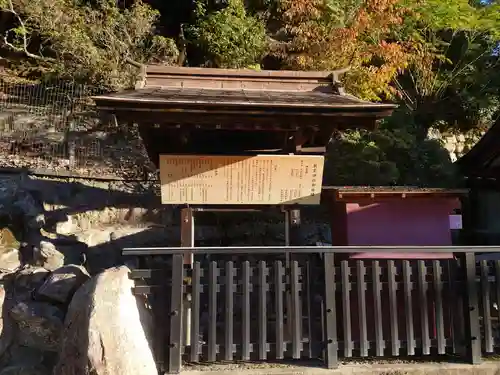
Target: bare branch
<point>24,48</point>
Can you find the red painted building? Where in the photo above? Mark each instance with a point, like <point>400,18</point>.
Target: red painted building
<point>389,216</point>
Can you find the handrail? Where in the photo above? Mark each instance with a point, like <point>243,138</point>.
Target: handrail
<point>308,249</point>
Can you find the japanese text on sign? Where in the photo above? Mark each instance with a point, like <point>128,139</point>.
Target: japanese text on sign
<point>261,179</point>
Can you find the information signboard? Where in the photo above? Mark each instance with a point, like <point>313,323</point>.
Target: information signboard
<point>260,179</point>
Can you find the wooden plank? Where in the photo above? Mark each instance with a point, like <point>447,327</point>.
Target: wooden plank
<point>330,312</point>
<point>144,273</point>
<point>187,233</point>
<point>424,307</point>
<point>393,308</point>
<point>471,310</point>
<point>311,304</point>
<point>229,313</point>
<point>212,311</point>
<point>262,310</point>
<point>261,179</point>
<point>245,311</point>
<point>279,290</point>
<point>160,304</point>
<point>176,302</point>
<point>361,286</point>
<point>345,272</point>
<point>497,292</point>
<point>456,305</point>
<point>438,306</point>
<point>377,300</point>
<point>144,289</point>
<point>195,313</point>
<point>295,313</point>
<point>407,288</point>
<point>486,304</point>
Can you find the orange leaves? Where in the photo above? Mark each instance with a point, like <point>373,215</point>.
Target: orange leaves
<point>333,34</point>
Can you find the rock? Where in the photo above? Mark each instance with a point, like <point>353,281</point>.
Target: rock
<point>74,251</point>
<point>10,259</point>
<point>67,226</point>
<point>63,283</point>
<point>27,281</point>
<point>24,370</point>
<point>47,256</point>
<point>5,324</point>
<point>27,205</point>
<point>39,325</point>
<point>103,332</point>
<point>10,256</point>
<point>24,356</point>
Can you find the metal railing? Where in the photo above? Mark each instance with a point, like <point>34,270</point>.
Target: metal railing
<point>274,303</point>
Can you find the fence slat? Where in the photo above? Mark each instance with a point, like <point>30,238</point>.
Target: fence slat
<point>424,307</point>
<point>361,284</point>
<point>471,310</point>
<point>393,312</point>
<point>262,310</point>
<point>144,273</point>
<point>456,306</point>
<point>377,300</point>
<point>245,311</point>
<point>486,304</point>
<point>195,312</point>
<point>310,303</point>
<point>346,307</point>
<point>176,301</point>
<point>438,292</point>
<point>160,304</point>
<point>212,311</point>
<point>278,301</point>
<point>139,290</point>
<point>229,315</point>
<point>497,287</point>
<point>330,312</point>
<point>295,313</point>
<point>408,287</point>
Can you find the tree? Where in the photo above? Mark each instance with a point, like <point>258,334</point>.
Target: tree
<point>229,37</point>
<point>94,42</point>
<point>391,156</point>
<point>457,86</point>
<point>334,34</point>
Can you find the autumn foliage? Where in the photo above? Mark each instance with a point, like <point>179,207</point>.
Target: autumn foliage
<point>326,35</point>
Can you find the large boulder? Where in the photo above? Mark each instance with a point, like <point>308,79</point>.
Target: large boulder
<point>24,370</point>
<point>39,325</point>
<point>104,330</point>
<point>5,324</point>
<point>63,282</point>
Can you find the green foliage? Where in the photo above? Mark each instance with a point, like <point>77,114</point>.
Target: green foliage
<point>437,58</point>
<point>389,156</point>
<point>87,42</point>
<point>230,38</point>
<point>461,90</point>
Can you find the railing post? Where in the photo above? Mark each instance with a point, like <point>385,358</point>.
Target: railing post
<point>187,240</point>
<point>176,311</point>
<point>471,310</point>
<point>331,345</point>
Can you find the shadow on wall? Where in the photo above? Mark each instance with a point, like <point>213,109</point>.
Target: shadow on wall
<point>91,222</point>
<point>85,221</point>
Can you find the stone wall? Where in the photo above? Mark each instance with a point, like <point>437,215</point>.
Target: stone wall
<point>457,144</point>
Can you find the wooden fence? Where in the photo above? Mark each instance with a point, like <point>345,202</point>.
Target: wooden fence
<point>275,303</point>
